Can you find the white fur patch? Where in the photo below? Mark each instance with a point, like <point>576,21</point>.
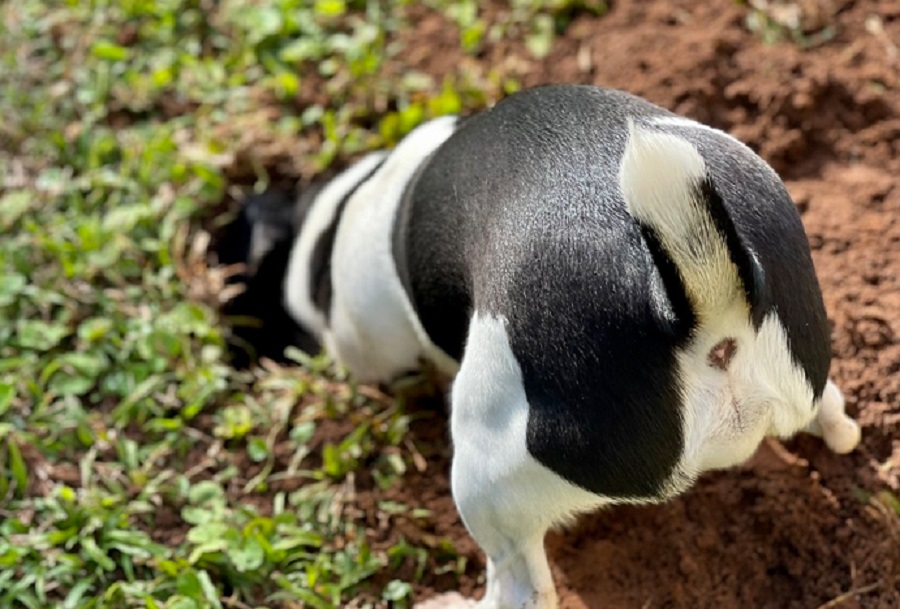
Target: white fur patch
<point>374,331</point>
<point>298,299</point>
<point>658,176</point>
<point>841,433</point>
<point>762,392</point>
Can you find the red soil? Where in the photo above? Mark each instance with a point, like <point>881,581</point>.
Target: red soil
<point>795,527</point>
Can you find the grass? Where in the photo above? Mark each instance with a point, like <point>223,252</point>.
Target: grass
<point>137,469</point>
<point>779,22</point>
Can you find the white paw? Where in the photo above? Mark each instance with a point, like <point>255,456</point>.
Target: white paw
<point>840,432</point>
<point>841,436</point>
<point>448,600</point>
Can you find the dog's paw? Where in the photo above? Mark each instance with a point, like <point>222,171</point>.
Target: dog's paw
<point>842,436</point>
<point>449,600</point>
<point>840,432</point>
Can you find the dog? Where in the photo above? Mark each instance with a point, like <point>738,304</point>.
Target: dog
<point>623,297</point>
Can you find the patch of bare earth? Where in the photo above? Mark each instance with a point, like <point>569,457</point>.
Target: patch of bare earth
<point>792,528</point>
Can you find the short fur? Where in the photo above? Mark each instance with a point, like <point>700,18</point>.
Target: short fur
<point>625,297</point>
<point>260,240</point>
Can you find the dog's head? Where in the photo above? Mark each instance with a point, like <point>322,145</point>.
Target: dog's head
<point>260,239</point>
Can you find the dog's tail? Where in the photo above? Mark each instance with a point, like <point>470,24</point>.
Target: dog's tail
<point>685,224</point>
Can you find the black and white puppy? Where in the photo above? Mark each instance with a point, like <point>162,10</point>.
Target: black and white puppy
<point>624,297</point>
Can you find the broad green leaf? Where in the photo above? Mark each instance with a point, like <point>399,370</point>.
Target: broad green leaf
<point>206,491</point>
<point>7,395</point>
<point>12,285</point>
<point>248,557</point>
<point>13,206</point>
<point>94,329</point>
<point>330,8</point>
<point>209,590</point>
<point>396,590</point>
<point>109,51</point>
<point>40,335</point>
<point>211,532</point>
<point>257,448</point>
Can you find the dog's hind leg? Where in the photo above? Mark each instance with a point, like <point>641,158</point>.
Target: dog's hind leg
<point>506,498</point>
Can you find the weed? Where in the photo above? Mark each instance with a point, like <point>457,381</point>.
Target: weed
<point>776,22</point>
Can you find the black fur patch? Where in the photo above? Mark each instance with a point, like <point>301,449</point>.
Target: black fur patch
<point>430,269</point>
<point>259,325</point>
<point>599,368</point>
<point>321,285</point>
<point>685,321</point>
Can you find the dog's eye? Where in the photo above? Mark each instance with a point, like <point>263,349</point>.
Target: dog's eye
<point>721,355</point>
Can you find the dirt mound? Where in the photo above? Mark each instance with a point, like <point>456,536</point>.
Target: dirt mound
<point>796,527</point>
